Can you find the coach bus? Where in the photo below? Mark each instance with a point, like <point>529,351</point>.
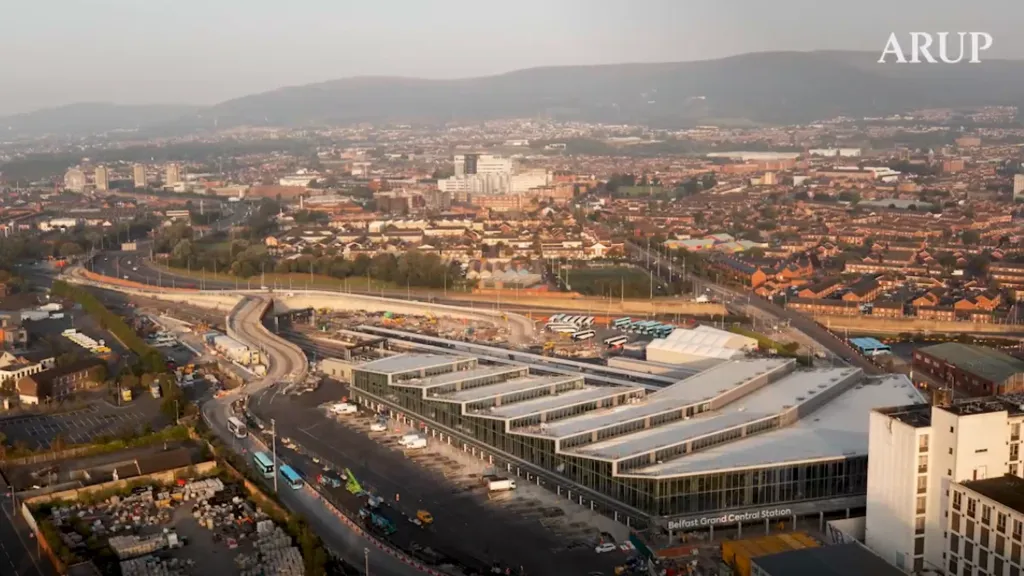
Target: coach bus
<point>622,322</point>
<point>237,427</point>
<point>616,341</point>
<point>584,335</point>
<point>264,464</point>
<point>291,477</point>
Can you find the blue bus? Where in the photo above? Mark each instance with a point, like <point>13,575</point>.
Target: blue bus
<point>622,322</point>
<point>291,477</point>
<point>663,331</point>
<point>264,464</point>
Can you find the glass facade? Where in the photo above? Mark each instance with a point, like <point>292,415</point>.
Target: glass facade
<point>692,494</point>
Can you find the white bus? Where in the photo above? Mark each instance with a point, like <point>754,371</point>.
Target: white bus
<point>556,318</point>
<point>584,335</point>
<point>563,328</point>
<point>554,325</point>
<point>237,427</point>
<point>588,321</point>
<point>616,341</point>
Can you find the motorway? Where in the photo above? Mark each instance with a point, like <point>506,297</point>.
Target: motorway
<point>285,360</point>
<point>753,306</point>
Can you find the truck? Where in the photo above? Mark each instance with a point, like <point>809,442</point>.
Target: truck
<point>499,484</point>
<point>154,389</point>
<point>408,438</point>
<point>330,480</point>
<point>126,394</point>
<point>416,444</point>
<point>382,523</point>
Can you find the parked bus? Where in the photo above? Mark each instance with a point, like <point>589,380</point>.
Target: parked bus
<point>565,329</point>
<point>552,325</point>
<point>616,341</point>
<point>622,322</point>
<point>664,330</point>
<point>291,477</point>
<point>584,335</point>
<point>264,464</point>
<point>557,318</point>
<point>237,427</point>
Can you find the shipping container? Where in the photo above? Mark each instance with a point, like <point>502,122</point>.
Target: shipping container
<point>739,553</point>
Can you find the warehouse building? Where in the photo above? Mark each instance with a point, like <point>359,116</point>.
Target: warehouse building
<point>747,441</point>
<point>699,345</point>
<point>851,559</point>
<point>976,370</point>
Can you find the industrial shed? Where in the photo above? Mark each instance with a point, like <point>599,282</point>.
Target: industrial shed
<point>701,343</point>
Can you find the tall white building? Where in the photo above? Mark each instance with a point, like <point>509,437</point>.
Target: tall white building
<point>139,175</point>
<point>485,174</point>
<point>101,178</point>
<point>1018,186</point>
<point>915,453</point>
<point>173,175</point>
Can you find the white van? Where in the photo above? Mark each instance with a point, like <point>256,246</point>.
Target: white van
<point>408,439</point>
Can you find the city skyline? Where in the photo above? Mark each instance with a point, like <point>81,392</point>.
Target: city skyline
<point>201,55</point>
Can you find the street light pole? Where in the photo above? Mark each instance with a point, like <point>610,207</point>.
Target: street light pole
<point>366,561</point>
<point>273,440</point>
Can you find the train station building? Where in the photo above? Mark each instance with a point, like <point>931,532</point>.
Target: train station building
<point>748,441</point>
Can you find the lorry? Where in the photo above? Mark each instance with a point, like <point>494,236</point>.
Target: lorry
<point>405,440</point>
<point>330,480</point>
<point>154,389</point>
<point>499,484</point>
<point>382,522</point>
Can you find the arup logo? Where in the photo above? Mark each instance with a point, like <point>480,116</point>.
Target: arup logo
<point>921,43</point>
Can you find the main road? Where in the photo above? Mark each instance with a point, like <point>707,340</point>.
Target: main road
<point>286,362</point>
<point>755,306</point>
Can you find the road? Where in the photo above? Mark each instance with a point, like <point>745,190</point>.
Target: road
<point>285,361</point>
<point>19,554</point>
<point>752,305</point>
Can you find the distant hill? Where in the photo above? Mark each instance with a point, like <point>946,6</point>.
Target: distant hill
<point>768,87</point>
<point>90,118</point>
<point>775,87</point>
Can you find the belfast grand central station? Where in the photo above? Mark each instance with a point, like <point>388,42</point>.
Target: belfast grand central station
<point>744,442</point>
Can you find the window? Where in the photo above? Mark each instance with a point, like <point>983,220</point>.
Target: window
<point>984,537</point>
<point>1015,432</point>
<point>918,565</point>
<point>1013,470</point>
<point>922,484</point>
<point>954,544</point>
<point>968,551</point>
<point>958,500</point>
<point>953,567</point>
<point>970,530</point>
<point>922,464</point>
<point>972,507</point>
<point>919,525</point>
<point>1001,522</point>
<point>922,443</point>
<point>920,504</point>
<point>950,451</point>
<point>1015,554</point>
<point>986,515</point>
<point>918,546</point>
<point>954,523</point>
<point>997,566</point>
<point>983,559</point>
<point>1017,528</point>
<point>1014,452</point>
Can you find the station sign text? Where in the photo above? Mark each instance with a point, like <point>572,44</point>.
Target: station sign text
<point>732,518</point>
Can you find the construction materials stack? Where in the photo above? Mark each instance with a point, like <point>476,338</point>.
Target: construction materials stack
<point>273,554</point>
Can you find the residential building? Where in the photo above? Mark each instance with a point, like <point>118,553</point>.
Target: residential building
<point>985,526</point>
<point>14,368</point>
<point>974,370</point>
<point>101,178</point>
<point>61,382</point>
<point>139,175</point>
<point>74,180</point>
<point>173,175</point>
<point>1018,186</point>
<point>916,453</point>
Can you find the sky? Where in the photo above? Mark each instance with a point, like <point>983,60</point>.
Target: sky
<point>56,52</point>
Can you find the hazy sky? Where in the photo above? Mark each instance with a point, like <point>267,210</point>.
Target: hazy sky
<point>56,52</point>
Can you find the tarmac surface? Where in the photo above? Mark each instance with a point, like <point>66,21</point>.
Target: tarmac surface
<point>465,526</point>
<point>81,424</point>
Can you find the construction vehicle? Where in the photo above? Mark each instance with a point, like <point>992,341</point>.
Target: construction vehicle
<point>382,523</point>
<point>424,516</point>
<point>328,480</point>
<point>154,389</point>
<point>126,394</point>
<point>548,347</point>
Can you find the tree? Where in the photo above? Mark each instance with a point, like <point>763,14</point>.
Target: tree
<point>69,249</point>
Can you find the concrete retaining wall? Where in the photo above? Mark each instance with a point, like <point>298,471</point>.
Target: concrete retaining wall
<point>894,326</point>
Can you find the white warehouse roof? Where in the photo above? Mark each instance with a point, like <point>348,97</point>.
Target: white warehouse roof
<point>701,342</point>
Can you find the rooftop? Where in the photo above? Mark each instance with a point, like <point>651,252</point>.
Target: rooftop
<point>558,401</point>
<point>1006,490</point>
<point>852,559</point>
<point>699,388</point>
<point>408,362</point>
<point>987,363</point>
<point>506,387</point>
<point>460,376</point>
<point>838,429</point>
<point>766,402</point>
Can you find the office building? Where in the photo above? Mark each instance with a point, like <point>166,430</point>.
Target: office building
<point>139,176</point>
<point>985,526</point>
<point>173,175</point>
<point>741,444</point>
<point>1018,186</point>
<point>74,180</point>
<point>101,179</point>
<point>916,453</point>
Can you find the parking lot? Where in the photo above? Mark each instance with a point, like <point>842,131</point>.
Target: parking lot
<point>97,418</point>
<point>470,524</point>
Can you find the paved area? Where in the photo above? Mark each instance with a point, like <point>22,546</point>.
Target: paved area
<point>38,430</point>
<point>467,523</point>
<point>19,554</point>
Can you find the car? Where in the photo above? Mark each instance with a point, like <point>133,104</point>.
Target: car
<point>316,460</point>
<point>136,268</point>
<point>605,547</point>
<point>125,276</point>
<point>416,521</point>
